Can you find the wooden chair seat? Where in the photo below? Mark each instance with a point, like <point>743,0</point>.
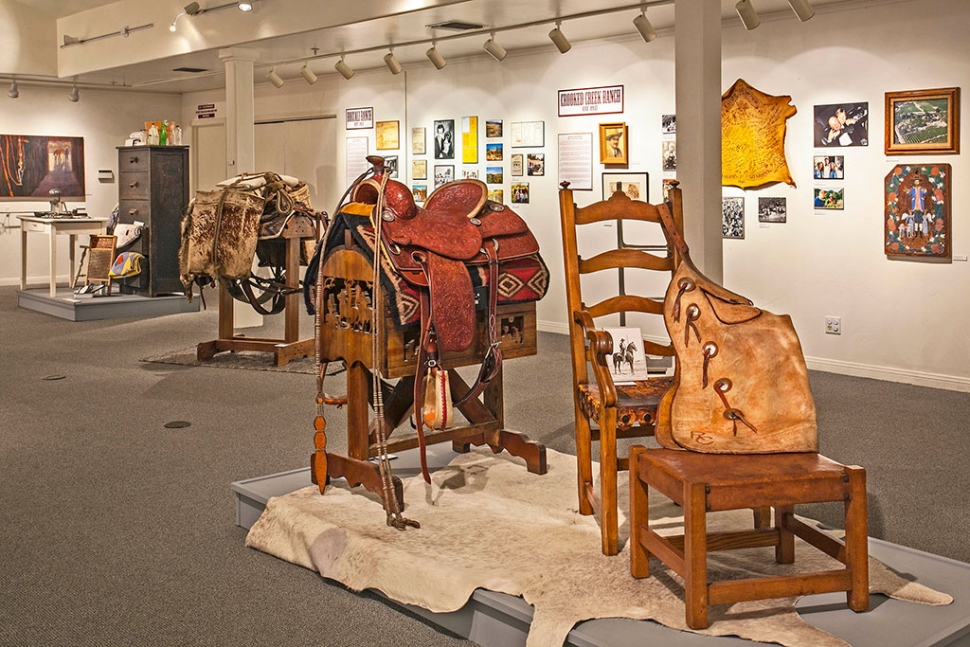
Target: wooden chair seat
<point>636,404</point>
<point>703,483</point>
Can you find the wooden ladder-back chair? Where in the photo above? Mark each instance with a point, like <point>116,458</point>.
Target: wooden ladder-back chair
<point>618,410</point>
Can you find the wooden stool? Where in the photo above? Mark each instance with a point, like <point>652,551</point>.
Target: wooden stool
<point>704,483</point>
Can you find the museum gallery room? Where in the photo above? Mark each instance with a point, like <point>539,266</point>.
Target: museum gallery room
<point>484,322</point>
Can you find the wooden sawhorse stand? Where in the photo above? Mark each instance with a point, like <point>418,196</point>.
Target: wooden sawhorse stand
<point>291,346</point>
<point>345,321</point>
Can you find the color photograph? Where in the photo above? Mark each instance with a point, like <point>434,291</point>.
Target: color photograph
<point>493,174</point>
<point>537,164</point>
<point>520,193</point>
<point>828,198</point>
<point>34,165</point>
<point>420,192</point>
<point>829,167</point>
<point>842,124</point>
<point>493,152</point>
<point>923,121</point>
<point>496,195</point>
<point>493,128</point>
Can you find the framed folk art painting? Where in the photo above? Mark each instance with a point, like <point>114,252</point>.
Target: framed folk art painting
<point>917,219</point>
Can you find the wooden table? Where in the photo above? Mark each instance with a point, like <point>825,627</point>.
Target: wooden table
<point>73,227</point>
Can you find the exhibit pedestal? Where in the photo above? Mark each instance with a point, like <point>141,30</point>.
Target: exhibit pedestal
<point>67,305</point>
<point>495,619</point>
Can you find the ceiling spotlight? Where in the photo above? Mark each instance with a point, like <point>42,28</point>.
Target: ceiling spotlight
<point>802,8</point>
<point>70,40</point>
<point>435,57</point>
<point>749,17</point>
<point>392,63</point>
<point>13,93</point>
<point>193,8</point>
<point>74,97</point>
<point>642,23</point>
<point>274,78</point>
<point>344,69</point>
<point>308,74</point>
<point>245,6</point>
<point>494,49</point>
<point>559,38</point>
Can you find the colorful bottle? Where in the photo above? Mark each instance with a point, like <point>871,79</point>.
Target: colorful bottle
<point>163,134</point>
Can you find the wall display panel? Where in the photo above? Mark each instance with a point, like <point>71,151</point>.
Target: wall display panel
<point>917,219</point>
<point>753,126</point>
<point>33,166</point>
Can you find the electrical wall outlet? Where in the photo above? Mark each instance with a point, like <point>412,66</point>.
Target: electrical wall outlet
<point>833,325</point>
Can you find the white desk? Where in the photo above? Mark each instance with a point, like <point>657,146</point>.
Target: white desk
<point>52,227</point>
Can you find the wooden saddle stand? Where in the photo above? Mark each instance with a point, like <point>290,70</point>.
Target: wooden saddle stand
<point>413,316</point>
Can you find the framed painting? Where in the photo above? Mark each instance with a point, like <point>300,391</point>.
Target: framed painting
<point>634,185</point>
<point>917,219</point>
<point>732,217</point>
<point>613,143</point>
<point>388,135</point>
<point>923,121</point>
<point>33,166</point>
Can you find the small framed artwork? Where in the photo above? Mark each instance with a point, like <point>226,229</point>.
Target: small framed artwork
<point>444,139</point>
<point>923,121</point>
<point>518,163</point>
<point>493,128</point>
<point>390,164</point>
<point>668,149</point>
<point>732,217</point>
<point>388,135</point>
<point>537,163</point>
<point>668,184</point>
<point>668,124</point>
<point>613,143</point>
<point>420,192</point>
<point>493,174</point>
<point>520,193</point>
<point>418,141</point>
<point>493,152</point>
<point>842,124</point>
<point>496,195</point>
<point>419,169</point>
<point>917,217</point>
<point>359,118</point>
<point>829,198</point>
<point>773,210</point>
<point>828,167</point>
<point>443,174</point>
<point>634,185</point>
<point>528,134</point>
<point>470,174</point>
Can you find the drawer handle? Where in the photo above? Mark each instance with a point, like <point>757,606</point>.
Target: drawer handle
<point>133,185</point>
<point>133,160</point>
<point>132,212</point>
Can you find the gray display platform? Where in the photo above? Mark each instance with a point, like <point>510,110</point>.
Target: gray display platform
<point>499,620</point>
<point>72,307</point>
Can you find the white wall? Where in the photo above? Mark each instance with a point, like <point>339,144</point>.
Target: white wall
<point>104,119</point>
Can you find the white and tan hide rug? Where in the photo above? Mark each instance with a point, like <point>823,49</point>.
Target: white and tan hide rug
<point>486,522</point>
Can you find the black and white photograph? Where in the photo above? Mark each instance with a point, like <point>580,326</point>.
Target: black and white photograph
<point>536,164</point>
<point>627,362</point>
<point>773,210</point>
<point>842,124</point>
<point>390,164</point>
<point>828,167</point>
<point>732,217</point>
<point>444,139</point>
<point>668,124</point>
<point>669,148</point>
<point>443,174</point>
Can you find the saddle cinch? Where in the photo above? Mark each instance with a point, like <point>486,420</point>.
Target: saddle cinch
<point>433,248</point>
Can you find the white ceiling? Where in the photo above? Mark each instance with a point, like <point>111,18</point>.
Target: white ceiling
<point>289,53</point>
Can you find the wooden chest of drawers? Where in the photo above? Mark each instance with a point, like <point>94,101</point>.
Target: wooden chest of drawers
<point>153,188</point>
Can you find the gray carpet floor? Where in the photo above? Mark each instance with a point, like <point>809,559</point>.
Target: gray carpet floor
<point>115,530</point>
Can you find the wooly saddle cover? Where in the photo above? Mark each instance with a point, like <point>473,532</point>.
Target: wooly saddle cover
<point>430,247</point>
<point>741,385</point>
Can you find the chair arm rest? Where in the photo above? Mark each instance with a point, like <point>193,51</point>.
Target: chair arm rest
<point>600,345</point>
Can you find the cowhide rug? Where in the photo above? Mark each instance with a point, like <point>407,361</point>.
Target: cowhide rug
<point>488,523</point>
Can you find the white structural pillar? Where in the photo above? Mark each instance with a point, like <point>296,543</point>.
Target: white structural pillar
<point>240,111</point>
<point>697,50</point>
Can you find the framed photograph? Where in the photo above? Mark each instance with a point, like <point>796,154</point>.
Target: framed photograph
<point>668,184</point>
<point>359,118</point>
<point>829,198</point>
<point>419,169</point>
<point>388,135</point>
<point>918,210</point>
<point>668,124</point>
<point>732,217</point>
<point>493,174</point>
<point>496,195</point>
<point>518,164</point>
<point>443,174</point>
<point>842,124</point>
<point>923,121</point>
<point>493,128</point>
<point>668,153</point>
<point>520,193</point>
<point>634,185</point>
<point>420,192</point>
<point>613,143</point>
<point>469,174</point>
<point>528,134</point>
<point>493,152</point>
<point>390,164</point>
<point>418,141</point>
<point>773,210</point>
<point>34,165</point>
<point>627,362</point>
<point>444,139</point>
<point>828,167</point>
<point>537,163</point>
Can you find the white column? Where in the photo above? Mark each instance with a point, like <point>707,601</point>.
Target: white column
<point>697,49</point>
<point>240,110</point>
